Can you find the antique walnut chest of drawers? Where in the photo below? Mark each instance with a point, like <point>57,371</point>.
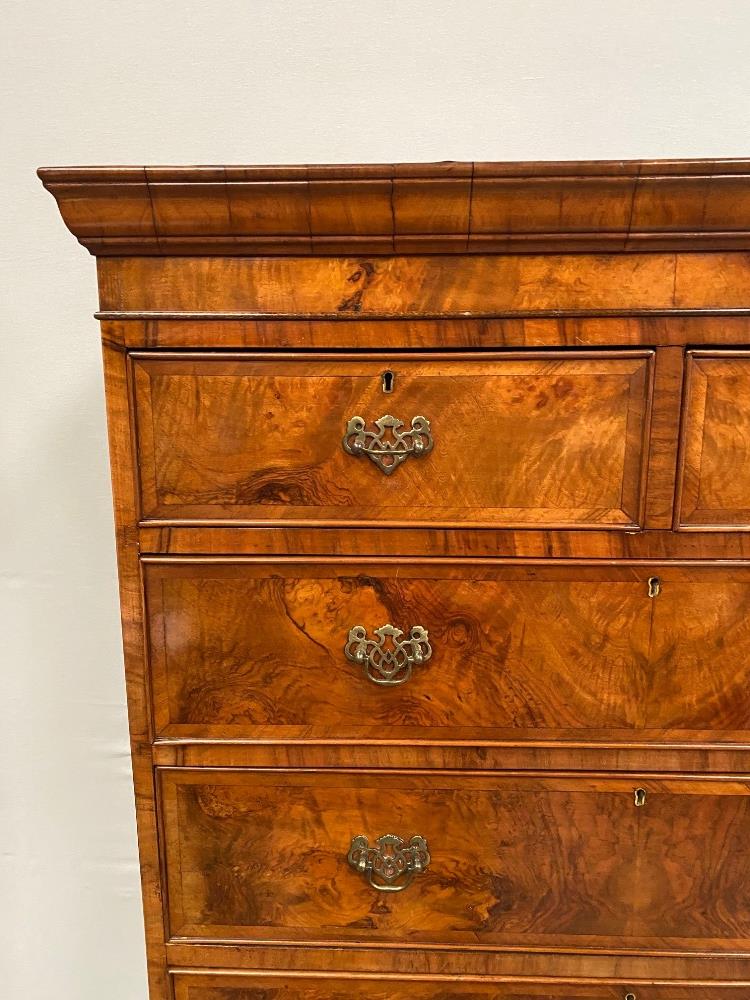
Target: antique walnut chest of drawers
<point>432,492</point>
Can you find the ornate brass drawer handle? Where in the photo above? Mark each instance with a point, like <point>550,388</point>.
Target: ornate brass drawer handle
<point>386,450</point>
<point>384,662</point>
<point>390,864</point>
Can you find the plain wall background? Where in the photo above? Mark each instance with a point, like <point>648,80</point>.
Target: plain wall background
<point>195,81</point>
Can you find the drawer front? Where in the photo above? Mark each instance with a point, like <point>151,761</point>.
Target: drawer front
<point>265,987</point>
<point>292,649</point>
<point>715,481</point>
<point>502,860</point>
<point>548,439</point>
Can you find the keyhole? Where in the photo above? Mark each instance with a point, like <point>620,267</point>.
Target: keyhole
<point>388,379</point>
<point>654,586</point>
<point>640,796</point>
<point>630,996</point>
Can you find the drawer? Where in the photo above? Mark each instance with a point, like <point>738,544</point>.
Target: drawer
<point>715,481</point>
<point>257,986</point>
<point>376,649</point>
<point>460,859</point>
<point>552,439</point>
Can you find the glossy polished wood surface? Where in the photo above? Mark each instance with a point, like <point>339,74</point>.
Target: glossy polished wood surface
<point>715,487</point>
<point>455,286</point>
<point>672,328</point>
<point>575,544</point>
<point>406,208</point>
<point>202,987</point>
<point>255,649</point>
<point>553,440</point>
<point>514,860</point>
<point>509,965</point>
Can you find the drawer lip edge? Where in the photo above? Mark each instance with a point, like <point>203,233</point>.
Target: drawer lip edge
<point>178,741</point>
<point>525,949</point>
<point>387,976</point>
<point>355,355</point>
<point>455,775</point>
<point>120,315</point>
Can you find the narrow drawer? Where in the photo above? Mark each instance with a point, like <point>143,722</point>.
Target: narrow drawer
<point>189,986</point>
<point>290,649</point>
<point>552,439</point>
<point>450,860</point>
<point>715,477</point>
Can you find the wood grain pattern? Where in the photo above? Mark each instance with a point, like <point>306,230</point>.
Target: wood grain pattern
<point>656,750</point>
<point>348,332</point>
<point>423,286</point>
<point>411,963</point>
<point>241,649</point>
<point>456,541</point>
<point>715,480</point>
<point>557,440</point>
<point>664,437</point>
<point>515,859</point>
<point>254,649</point>
<point>123,467</point>
<point>406,208</point>
<point>264,987</point>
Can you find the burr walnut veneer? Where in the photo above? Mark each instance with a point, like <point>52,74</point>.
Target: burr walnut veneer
<point>432,494</point>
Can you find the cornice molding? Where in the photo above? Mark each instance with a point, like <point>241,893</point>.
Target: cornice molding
<point>607,206</point>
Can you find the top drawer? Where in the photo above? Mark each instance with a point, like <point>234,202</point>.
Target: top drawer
<point>714,489</point>
<point>509,440</point>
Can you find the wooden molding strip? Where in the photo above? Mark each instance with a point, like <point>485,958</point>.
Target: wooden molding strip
<point>658,743</point>
<point>726,949</point>
<point>615,206</point>
<point>400,977</point>
<point>524,314</point>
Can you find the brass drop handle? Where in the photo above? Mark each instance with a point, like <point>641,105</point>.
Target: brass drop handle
<point>390,864</point>
<point>389,445</point>
<point>388,659</point>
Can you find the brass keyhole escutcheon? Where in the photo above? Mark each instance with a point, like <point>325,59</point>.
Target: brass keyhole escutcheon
<point>640,796</point>
<point>630,996</point>
<point>654,586</point>
<point>389,380</point>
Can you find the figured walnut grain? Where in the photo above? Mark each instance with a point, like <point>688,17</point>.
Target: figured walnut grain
<point>556,440</point>
<point>517,860</point>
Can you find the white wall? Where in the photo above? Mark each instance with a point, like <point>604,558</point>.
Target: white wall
<point>239,81</point>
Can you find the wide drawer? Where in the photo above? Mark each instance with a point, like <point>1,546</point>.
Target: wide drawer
<point>357,649</point>
<point>553,439</point>
<point>225,986</point>
<point>715,479</point>
<point>488,860</point>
